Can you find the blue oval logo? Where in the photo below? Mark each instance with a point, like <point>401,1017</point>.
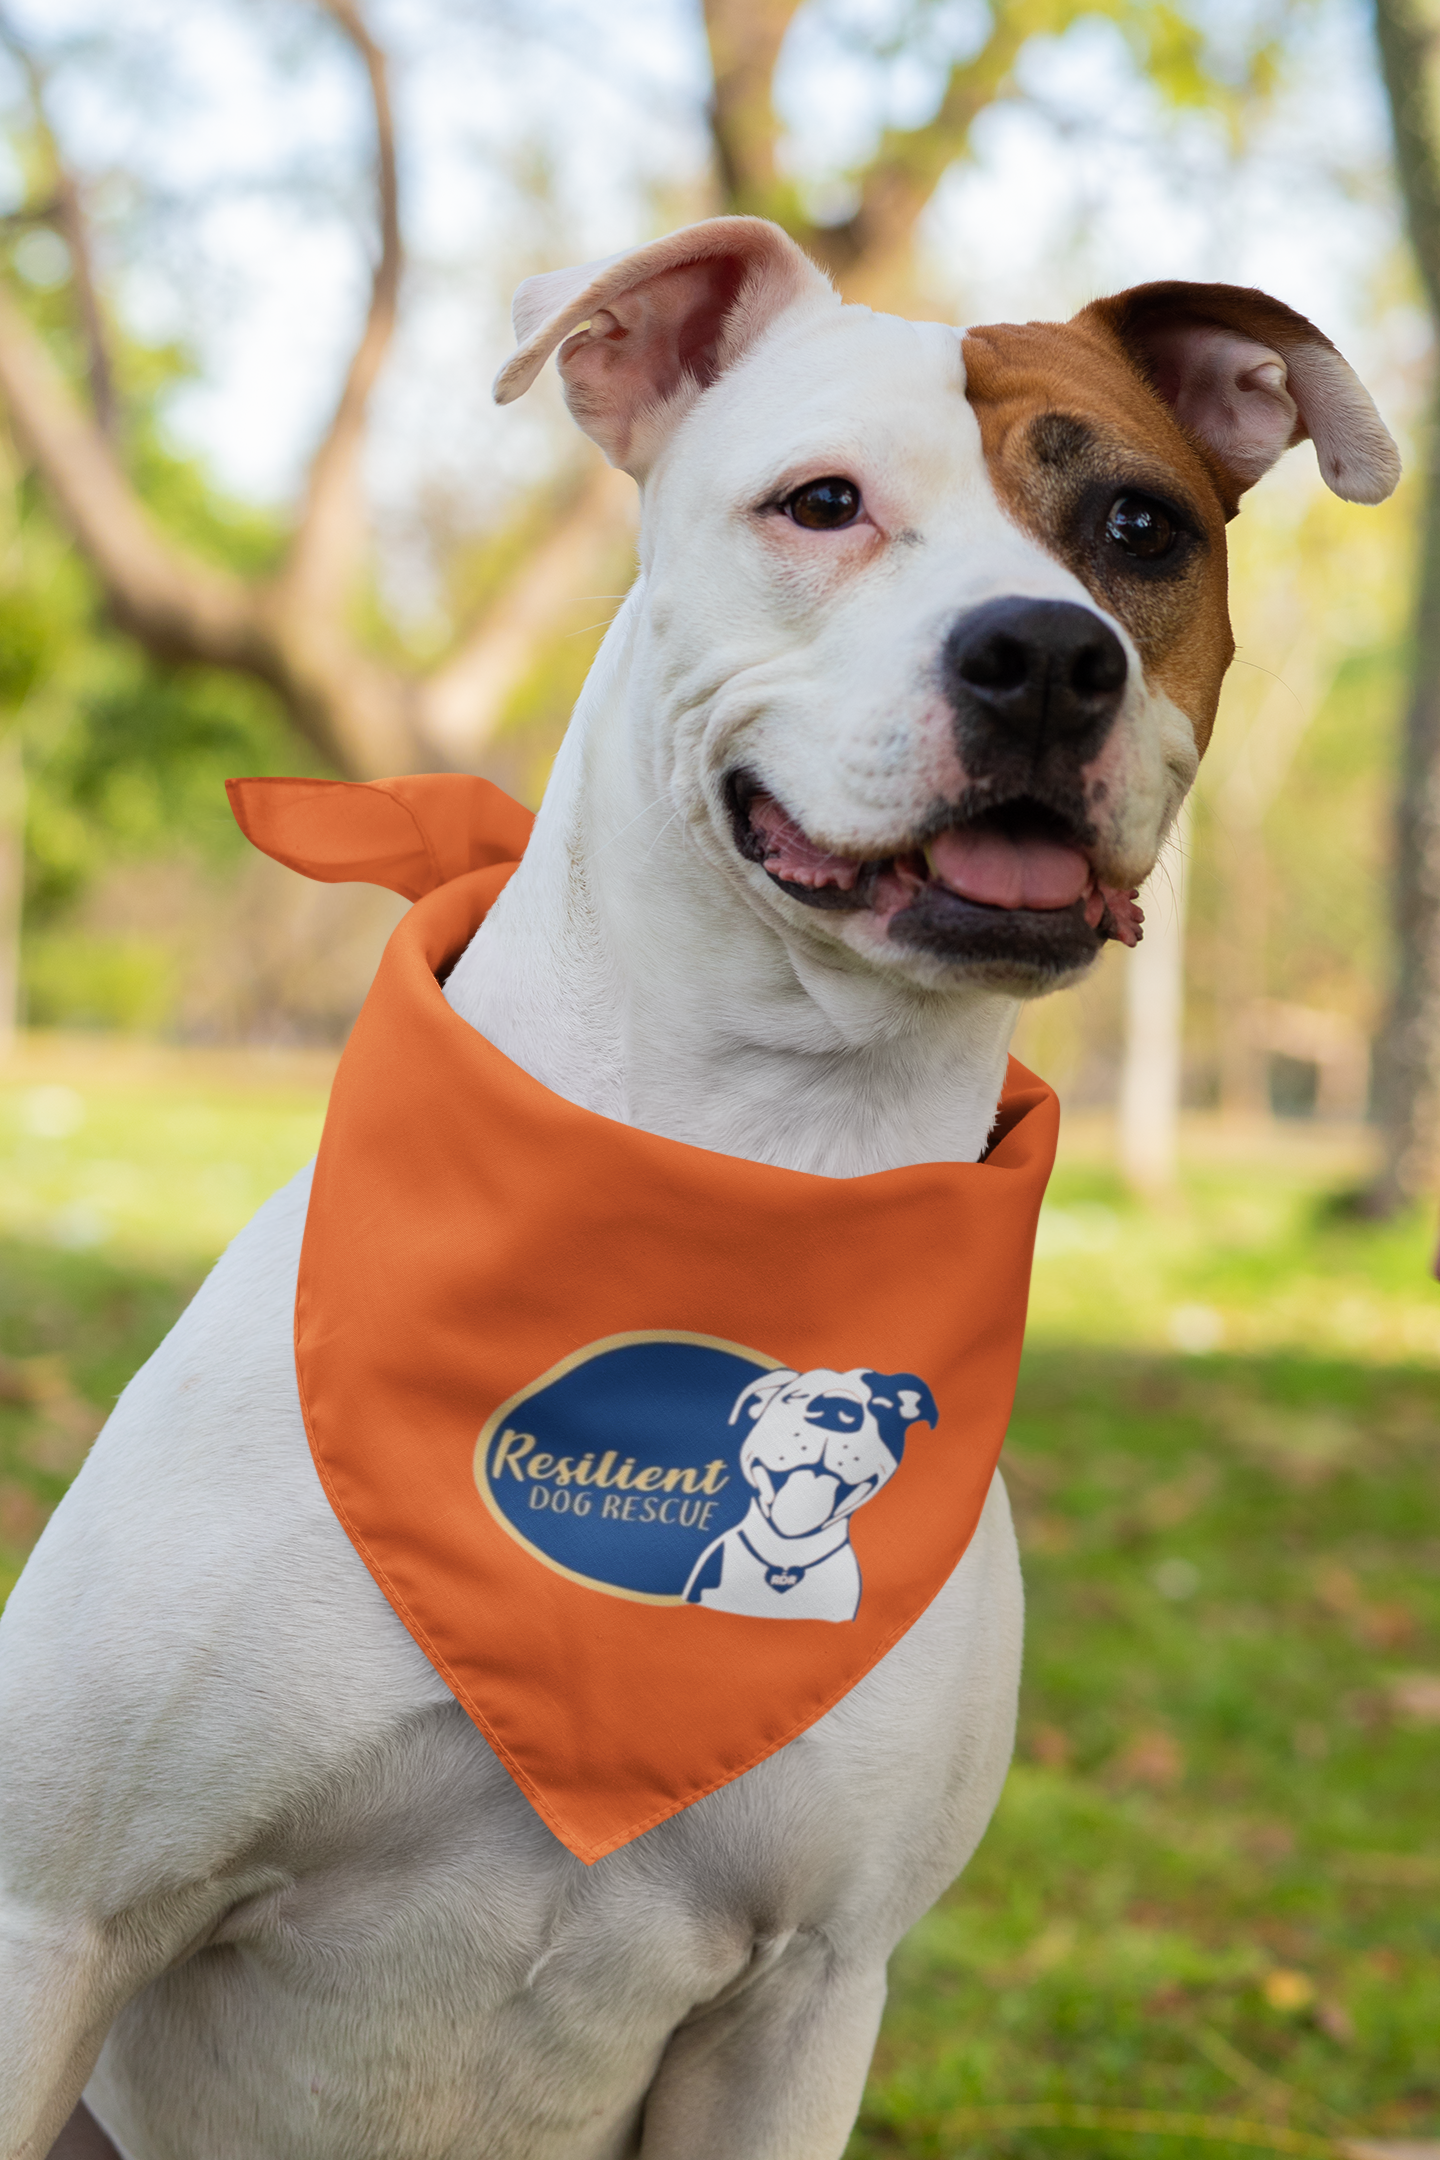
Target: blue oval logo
<point>675,1468</point>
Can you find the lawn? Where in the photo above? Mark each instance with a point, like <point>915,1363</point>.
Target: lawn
<point>1213,1884</point>
<point>1212,1889</point>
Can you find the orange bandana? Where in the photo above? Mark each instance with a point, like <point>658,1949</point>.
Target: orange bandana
<point>655,1452</point>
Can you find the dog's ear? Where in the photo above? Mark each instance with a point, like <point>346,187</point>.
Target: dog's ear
<point>645,331</point>
<point>758,1396</point>
<point>1249,377</point>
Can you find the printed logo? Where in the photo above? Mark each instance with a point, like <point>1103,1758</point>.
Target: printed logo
<point>679,1469</point>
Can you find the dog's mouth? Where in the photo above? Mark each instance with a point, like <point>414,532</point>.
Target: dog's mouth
<point>1014,883</point>
<point>798,1503</point>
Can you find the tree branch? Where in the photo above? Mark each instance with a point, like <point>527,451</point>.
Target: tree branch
<point>745,40</point>
<point>67,214</point>
<point>1407,52</point>
<point>290,633</point>
<point>176,606</point>
<point>70,218</point>
<point>463,701</point>
<point>329,538</point>
<point>1407,1048</point>
<point>355,712</point>
<point>909,164</point>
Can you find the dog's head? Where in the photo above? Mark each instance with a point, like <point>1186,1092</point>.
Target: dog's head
<point>933,624</point>
<point>822,1443</point>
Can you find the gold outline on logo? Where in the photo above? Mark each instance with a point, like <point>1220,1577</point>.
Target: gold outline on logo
<point>508,1408</point>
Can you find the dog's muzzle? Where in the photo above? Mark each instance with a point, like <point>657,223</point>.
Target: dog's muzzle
<point>1004,882</point>
<point>1035,686</point>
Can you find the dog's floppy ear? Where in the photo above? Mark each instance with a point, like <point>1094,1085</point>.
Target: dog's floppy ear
<point>1249,377</point>
<point>645,330</point>
<point>899,1400</point>
<point>758,1396</point>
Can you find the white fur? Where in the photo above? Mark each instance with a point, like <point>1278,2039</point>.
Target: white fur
<point>635,963</point>
<point>246,1829</point>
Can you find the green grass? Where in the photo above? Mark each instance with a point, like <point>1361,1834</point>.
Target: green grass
<point>123,1174</point>
<point>1217,1780</point>
<point>1213,1884</point>
<point>1212,1888</point>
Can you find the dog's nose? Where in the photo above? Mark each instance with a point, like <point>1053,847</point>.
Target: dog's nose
<point>1042,671</point>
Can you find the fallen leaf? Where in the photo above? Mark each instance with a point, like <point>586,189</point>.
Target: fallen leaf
<point>1416,1695</point>
<point>1050,1746</point>
<point>1269,1840</point>
<point>1045,1533</point>
<point>1151,1758</point>
<point>1338,1589</point>
<point>22,1517</point>
<point>1391,2148</point>
<point>1385,1627</point>
<point>1288,1990</point>
<point>1166,1506</point>
<point>1391,1871</point>
<point>1302,1447</point>
<point>1050,1948</point>
<point>1335,2021</point>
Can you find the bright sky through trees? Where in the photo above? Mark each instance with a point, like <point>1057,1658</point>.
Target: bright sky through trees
<point>237,140</point>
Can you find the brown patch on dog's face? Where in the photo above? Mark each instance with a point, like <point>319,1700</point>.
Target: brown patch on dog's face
<point>1085,457</point>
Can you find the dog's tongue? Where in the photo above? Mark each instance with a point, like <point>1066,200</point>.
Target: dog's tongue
<point>1000,872</point>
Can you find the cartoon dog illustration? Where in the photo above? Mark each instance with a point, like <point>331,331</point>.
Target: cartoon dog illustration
<point>821,1444</point>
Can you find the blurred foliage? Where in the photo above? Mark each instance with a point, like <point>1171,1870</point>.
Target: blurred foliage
<point>1197,58</point>
<point>75,979</point>
<point>132,765</point>
<point>125,759</point>
<point>1253,1253</point>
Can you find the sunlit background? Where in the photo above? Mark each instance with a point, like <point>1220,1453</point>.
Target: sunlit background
<point>1209,1894</point>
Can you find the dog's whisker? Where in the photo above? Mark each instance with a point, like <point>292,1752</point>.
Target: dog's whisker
<point>649,852</point>
<point>609,841</point>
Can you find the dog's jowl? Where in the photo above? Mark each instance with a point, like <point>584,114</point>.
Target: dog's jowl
<point>508,1704</point>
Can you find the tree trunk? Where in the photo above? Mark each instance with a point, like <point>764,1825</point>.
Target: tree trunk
<point>1244,1065</point>
<point>1246,776</point>
<point>12,882</point>
<point>1407,1052</point>
<point>1154,1025</point>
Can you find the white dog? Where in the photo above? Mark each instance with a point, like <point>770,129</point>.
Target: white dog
<point>924,647</point>
<point>821,1445</point>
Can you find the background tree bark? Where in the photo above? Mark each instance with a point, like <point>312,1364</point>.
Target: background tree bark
<point>1407,1052</point>
<point>12,878</point>
<point>1148,1129</point>
<point>869,253</point>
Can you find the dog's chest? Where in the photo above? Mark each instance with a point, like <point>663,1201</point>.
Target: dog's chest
<point>433,1951</point>
<point>432,1972</point>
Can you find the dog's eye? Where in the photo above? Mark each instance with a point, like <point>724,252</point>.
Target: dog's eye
<point>1142,527</point>
<point>837,1413</point>
<point>822,505</point>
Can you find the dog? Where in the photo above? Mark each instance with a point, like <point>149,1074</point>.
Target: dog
<point>923,650</point>
<point>821,1445</point>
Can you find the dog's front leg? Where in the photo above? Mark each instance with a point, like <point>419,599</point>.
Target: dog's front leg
<point>776,2071</point>
<point>56,2012</point>
<point>62,1983</point>
<point>65,1975</point>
